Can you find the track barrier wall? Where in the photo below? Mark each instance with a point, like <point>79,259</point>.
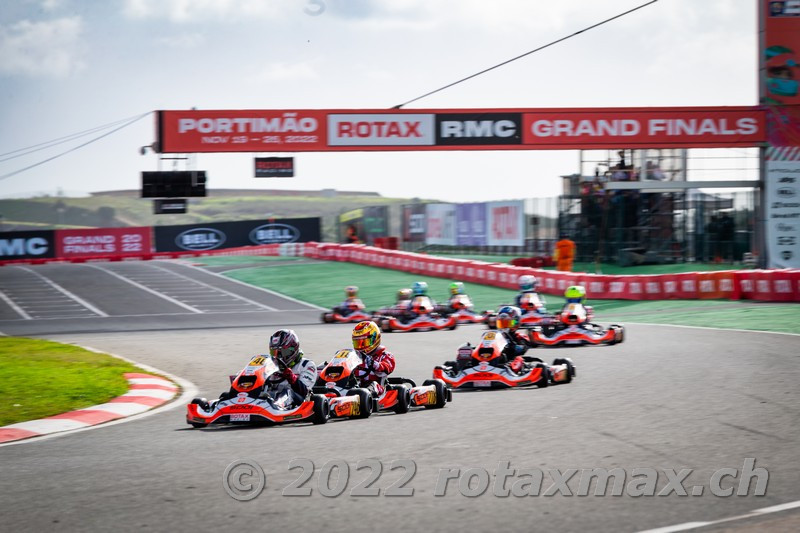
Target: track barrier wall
<point>763,285</point>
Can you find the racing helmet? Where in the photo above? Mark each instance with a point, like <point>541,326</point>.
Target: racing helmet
<point>527,282</point>
<point>284,346</point>
<point>508,318</point>
<point>419,288</point>
<point>366,336</point>
<point>403,295</point>
<point>351,291</point>
<point>575,294</point>
<point>456,288</point>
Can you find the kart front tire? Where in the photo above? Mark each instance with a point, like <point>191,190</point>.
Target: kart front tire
<point>322,409</point>
<point>364,402</point>
<point>441,393</point>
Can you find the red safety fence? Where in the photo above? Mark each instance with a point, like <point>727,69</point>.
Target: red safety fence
<point>764,285</point>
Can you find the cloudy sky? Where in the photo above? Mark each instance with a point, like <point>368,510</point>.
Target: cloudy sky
<point>70,66</point>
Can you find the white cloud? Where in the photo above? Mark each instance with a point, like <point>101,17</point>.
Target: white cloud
<point>50,48</point>
<point>207,10</point>
<point>287,72</point>
<point>185,41</point>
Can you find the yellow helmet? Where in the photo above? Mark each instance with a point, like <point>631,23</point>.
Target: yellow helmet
<point>366,336</point>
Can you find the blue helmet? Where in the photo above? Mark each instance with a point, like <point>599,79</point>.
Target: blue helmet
<point>419,288</point>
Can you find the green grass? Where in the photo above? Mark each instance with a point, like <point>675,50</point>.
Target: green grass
<point>223,260</point>
<point>323,283</point>
<point>611,269</point>
<point>41,378</point>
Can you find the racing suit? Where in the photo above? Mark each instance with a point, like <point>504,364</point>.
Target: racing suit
<point>520,301</point>
<point>420,305</point>
<point>518,344</point>
<point>349,306</point>
<point>374,369</point>
<point>291,386</point>
<point>575,303</point>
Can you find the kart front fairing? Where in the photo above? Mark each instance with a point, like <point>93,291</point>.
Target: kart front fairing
<point>574,335</point>
<point>422,322</point>
<point>486,375</point>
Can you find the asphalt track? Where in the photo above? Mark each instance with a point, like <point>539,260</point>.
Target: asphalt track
<point>668,398</point>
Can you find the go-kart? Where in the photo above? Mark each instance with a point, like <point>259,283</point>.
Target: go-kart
<point>335,317</point>
<point>424,322</point>
<point>356,314</point>
<point>573,327</point>
<point>462,308</point>
<point>248,402</point>
<point>486,366</point>
<point>337,381</point>
<point>533,312</point>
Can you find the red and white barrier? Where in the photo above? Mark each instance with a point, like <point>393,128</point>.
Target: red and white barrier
<point>765,285</point>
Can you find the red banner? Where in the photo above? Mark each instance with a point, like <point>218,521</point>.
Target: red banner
<point>102,242</point>
<point>644,127</point>
<point>316,130</point>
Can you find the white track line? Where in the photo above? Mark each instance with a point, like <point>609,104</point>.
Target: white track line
<point>301,302</point>
<point>248,300</point>
<point>147,289</point>
<point>696,525</point>
<point>711,328</point>
<point>189,391</point>
<point>66,293</point>
<point>21,312</point>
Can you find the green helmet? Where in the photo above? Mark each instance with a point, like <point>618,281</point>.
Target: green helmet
<point>456,288</point>
<point>575,292</point>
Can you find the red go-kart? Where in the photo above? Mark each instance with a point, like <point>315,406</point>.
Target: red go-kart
<point>247,402</point>
<point>486,366</point>
<point>462,308</point>
<point>533,312</point>
<point>573,327</point>
<point>338,383</point>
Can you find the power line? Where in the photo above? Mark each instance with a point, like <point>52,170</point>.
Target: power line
<point>484,71</point>
<point>48,144</point>
<point>135,119</point>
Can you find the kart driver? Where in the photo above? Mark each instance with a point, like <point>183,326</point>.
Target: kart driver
<point>576,295</point>
<point>377,362</point>
<point>508,324</point>
<point>403,300</point>
<point>458,297</point>
<point>528,295</point>
<point>297,374</point>
<point>351,303</point>
<point>421,303</point>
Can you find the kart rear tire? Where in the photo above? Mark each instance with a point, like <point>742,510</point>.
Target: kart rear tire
<point>403,399</point>
<point>322,409</point>
<point>385,327</point>
<point>202,402</point>
<point>364,402</point>
<point>326,318</point>
<point>621,336</point>
<point>546,378</point>
<point>441,393</point>
<point>570,367</point>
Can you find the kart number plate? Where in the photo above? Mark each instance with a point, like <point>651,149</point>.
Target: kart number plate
<point>482,383</point>
<point>240,417</point>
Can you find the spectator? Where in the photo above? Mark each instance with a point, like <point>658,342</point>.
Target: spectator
<point>726,232</point>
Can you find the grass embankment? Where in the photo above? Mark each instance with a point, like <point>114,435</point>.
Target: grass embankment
<point>41,378</point>
<point>322,284</point>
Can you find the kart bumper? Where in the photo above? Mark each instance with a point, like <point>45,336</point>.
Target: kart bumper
<point>255,411</point>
